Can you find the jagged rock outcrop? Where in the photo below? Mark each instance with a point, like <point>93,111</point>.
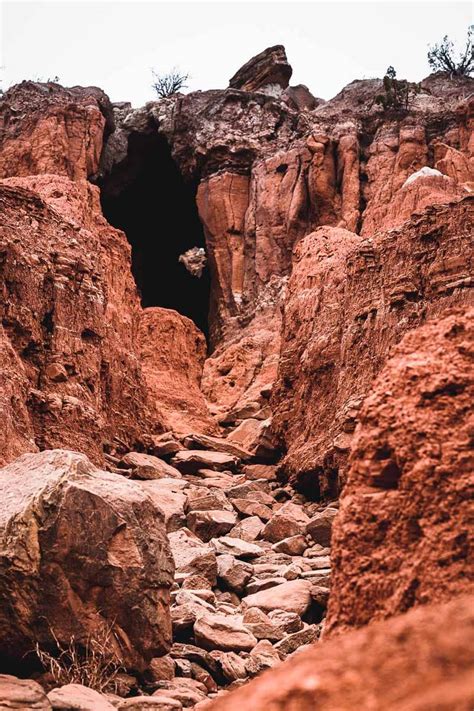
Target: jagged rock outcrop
<point>268,174</point>
<point>81,549</point>
<point>46,128</point>
<point>401,537</point>
<point>70,316</point>
<point>412,662</point>
<point>267,72</point>
<point>350,300</point>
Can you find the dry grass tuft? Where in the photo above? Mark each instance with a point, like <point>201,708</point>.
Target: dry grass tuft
<point>95,664</point>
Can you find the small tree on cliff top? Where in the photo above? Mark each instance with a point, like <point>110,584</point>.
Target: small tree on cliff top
<point>168,84</point>
<point>398,93</point>
<point>443,57</point>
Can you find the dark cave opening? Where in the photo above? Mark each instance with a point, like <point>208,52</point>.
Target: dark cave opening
<point>147,197</point>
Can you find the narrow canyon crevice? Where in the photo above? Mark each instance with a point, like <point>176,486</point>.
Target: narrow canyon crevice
<point>149,200</point>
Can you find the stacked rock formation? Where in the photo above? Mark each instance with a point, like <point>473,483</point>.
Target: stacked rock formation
<point>181,497</point>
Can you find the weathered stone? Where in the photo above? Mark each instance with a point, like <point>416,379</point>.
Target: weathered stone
<point>170,499</point>
<point>211,524</point>
<point>291,643</point>
<point>215,444</point>
<point>223,632</point>
<point>320,526</point>
<point>172,352</point>
<point>268,72</point>
<point>293,596</point>
<point>248,529</point>
<point>235,574</point>
<point>393,662</point>
<point>146,466</point>
<point>289,520</point>
<point>191,555</point>
<point>200,498</point>
<point>236,547</point>
<point>231,665</point>
<point>161,668</point>
<point>158,702</point>
<point>76,697</point>
<point>190,461</point>
<point>252,508</point>
<point>187,691</point>
<point>22,694</point>
<point>261,626</point>
<point>263,656</point>
<point>294,545</point>
<point>95,534</point>
<point>288,622</point>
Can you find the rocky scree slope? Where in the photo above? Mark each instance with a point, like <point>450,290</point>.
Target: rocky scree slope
<point>332,231</point>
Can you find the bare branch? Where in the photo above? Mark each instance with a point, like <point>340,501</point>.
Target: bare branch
<point>170,83</point>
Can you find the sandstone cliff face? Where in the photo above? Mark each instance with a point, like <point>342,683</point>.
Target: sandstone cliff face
<point>45,128</point>
<point>350,300</point>
<point>269,174</point>
<point>69,312</point>
<point>401,538</point>
<point>172,353</point>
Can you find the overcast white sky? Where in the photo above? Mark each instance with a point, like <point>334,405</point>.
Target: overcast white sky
<point>114,44</point>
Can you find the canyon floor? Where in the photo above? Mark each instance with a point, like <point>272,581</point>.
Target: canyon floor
<point>236,390</point>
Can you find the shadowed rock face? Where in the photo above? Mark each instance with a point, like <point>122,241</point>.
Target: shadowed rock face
<point>80,548</point>
<point>419,661</point>
<point>401,537</point>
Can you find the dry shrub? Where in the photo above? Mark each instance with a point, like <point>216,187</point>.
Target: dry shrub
<point>94,663</point>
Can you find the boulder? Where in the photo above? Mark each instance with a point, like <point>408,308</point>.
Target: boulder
<point>146,466</point>
<point>170,499</point>
<point>82,548</point>
<point>215,444</point>
<point>294,545</point>
<point>76,697</point>
<point>248,529</point>
<point>293,596</point>
<point>236,547</point>
<point>202,498</point>
<point>189,461</point>
<point>211,524</point>
<point>161,668</point>
<point>293,641</point>
<point>267,72</point>
<point>22,694</point>
<point>234,574</point>
<point>224,632</point>
<point>232,666</point>
<point>289,520</point>
<point>193,556</point>
<point>320,526</point>
<point>245,507</point>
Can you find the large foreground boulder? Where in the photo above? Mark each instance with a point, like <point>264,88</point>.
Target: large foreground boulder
<point>420,661</point>
<point>80,549</point>
<point>402,535</point>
